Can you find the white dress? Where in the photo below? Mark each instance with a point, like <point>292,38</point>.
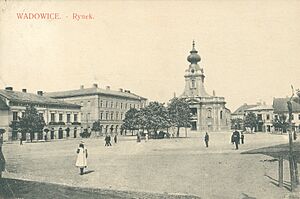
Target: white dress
<point>81,161</point>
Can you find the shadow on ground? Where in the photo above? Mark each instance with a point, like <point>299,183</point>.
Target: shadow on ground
<point>276,151</point>
<point>12,188</point>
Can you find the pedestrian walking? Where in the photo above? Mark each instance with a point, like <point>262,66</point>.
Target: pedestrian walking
<point>82,154</point>
<point>138,137</point>
<point>115,139</point>
<point>107,140</point>
<point>146,137</point>
<point>242,137</point>
<point>206,139</point>
<point>235,139</point>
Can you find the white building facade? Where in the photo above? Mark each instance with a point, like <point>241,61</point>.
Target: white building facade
<point>62,119</point>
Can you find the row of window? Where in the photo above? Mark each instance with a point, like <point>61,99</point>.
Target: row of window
<point>52,117</point>
<point>121,105</point>
<point>60,117</point>
<point>111,104</point>
<point>104,116</point>
<point>276,117</point>
<point>209,114</point>
<point>111,116</point>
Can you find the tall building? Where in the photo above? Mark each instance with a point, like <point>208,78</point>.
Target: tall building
<point>62,119</point>
<point>106,105</point>
<point>209,111</point>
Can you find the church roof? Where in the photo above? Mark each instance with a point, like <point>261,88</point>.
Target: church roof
<point>30,98</point>
<point>94,91</point>
<point>280,105</point>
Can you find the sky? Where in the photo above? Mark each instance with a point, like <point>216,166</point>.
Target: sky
<point>249,49</point>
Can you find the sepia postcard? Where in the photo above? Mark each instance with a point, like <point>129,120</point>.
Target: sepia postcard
<point>149,99</point>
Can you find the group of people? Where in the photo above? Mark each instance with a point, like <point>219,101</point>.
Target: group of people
<point>108,140</point>
<point>236,138</point>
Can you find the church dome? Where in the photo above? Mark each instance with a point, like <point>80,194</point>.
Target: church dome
<point>194,58</point>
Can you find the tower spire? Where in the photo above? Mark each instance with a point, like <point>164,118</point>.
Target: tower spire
<point>194,57</point>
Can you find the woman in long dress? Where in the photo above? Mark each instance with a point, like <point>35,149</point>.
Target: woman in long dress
<point>82,154</point>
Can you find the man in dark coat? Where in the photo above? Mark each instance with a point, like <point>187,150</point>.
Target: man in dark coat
<point>235,139</point>
<point>206,139</point>
<point>115,139</point>
<point>242,137</point>
<point>107,140</point>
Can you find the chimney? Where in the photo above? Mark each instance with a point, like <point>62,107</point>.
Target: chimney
<point>40,93</point>
<point>214,93</point>
<point>24,90</point>
<point>121,89</point>
<point>81,87</point>
<point>9,88</point>
<point>107,87</point>
<point>95,85</point>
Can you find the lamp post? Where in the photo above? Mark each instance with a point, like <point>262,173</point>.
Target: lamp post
<point>2,160</point>
<point>292,157</point>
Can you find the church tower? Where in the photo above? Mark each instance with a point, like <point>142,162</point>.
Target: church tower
<point>194,76</point>
<point>208,111</point>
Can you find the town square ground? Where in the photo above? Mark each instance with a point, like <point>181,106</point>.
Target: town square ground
<point>168,166</point>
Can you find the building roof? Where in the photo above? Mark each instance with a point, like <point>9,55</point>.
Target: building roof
<point>93,91</point>
<point>241,109</point>
<point>260,108</point>
<point>30,98</point>
<point>280,105</point>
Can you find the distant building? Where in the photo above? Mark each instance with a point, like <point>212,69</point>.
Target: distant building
<point>209,111</point>
<point>264,114</point>
<point>280,108</point>
<point>62,119</point>
<point>106,105</point>
<point>239,113</point>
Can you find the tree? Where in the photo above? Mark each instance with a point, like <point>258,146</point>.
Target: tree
<point>155,117</point>
<point>31,123</point>
<point>96,126</point>
<point>130,120</point>
<point>236,123</point>
<point>281,122</point>
<point>179,113</point>
<point>250,120</point>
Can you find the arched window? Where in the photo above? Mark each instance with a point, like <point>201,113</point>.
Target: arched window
<point>209,113</point>
<point>221,114</point>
